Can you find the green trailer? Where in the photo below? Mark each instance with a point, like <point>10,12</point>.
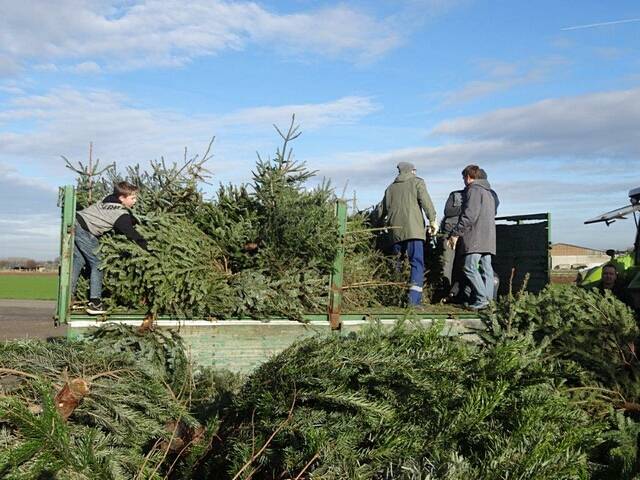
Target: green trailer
<point>241,344</point>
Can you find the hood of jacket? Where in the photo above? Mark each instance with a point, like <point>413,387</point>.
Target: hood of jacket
<point>111,198</point>
<point>403,177</point>
<point>482,183</point>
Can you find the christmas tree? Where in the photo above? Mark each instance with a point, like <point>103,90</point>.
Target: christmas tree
<point>254,250</point>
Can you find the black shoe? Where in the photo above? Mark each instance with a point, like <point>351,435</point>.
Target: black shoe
<point>95,308</point>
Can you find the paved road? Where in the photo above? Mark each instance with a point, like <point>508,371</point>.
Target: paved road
<point>28,319</point>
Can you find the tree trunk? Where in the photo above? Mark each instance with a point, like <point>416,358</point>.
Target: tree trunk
<point>68,399</point>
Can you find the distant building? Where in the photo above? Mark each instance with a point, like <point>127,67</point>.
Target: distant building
<point>565,255</point>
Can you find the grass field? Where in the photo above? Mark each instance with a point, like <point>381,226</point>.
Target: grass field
<point>28,286</point>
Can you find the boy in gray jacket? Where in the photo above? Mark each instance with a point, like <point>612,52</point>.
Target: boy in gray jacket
<point>476,227</point>
<point>112,213</point>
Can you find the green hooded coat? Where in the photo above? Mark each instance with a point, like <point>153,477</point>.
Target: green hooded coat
<point>402,206</point>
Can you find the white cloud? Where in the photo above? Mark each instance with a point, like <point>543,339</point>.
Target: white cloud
<point>29,218</point>
<point>561,42</point>
<point>609,53</point>
<point>20,195</point>
<point>503,76</point>
<point>11,88</point>
<point>592,125</point>
<point>8,65</point>
<point>32,236</point>
<point>599,127</point>
<point>597,130</point>
<point>343,110</point>
<point>85,68</point>
<point>64,121</point>
<point>123,35</point>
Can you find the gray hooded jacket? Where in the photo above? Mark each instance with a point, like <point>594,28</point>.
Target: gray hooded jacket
<point>108,214</point>
<point>476,226</point>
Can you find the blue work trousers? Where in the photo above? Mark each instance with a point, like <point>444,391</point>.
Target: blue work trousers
<point>479,271</point>
<point>414,250</point>
<point>85,252</point>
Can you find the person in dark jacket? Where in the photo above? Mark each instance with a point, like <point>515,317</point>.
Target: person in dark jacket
<point>112,213</point>
<point>402,209</point>
<point>476,228</point>
<point>451,259</point>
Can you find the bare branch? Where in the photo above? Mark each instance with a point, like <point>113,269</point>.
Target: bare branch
<point>275,432</point>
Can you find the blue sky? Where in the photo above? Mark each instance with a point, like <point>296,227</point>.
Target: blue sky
<point>544,95</point>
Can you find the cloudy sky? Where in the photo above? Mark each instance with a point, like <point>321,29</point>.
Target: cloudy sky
<point>544,95</point>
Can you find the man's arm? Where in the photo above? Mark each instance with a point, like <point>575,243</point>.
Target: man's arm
<point>425,201</point>
<point>124,225</point>
<point>381,211</point>
<point>470,213</point>
<point>495,199</point>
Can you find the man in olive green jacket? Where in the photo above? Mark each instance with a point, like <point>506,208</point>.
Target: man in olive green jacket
<point>402,209</point>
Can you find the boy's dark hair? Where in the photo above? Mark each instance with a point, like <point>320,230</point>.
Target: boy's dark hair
<point>471,171</point>
<point>124,189</point>
<point>609,265</point>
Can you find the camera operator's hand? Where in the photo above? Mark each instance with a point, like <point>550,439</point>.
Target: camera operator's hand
<point>451,242</point>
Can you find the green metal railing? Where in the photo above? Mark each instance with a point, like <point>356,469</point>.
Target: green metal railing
<point>337,274</point>
<point>67,202</point>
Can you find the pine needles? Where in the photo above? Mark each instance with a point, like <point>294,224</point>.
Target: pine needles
<point>385,404</point>
<point>589,340</point>
<point>135,419</point>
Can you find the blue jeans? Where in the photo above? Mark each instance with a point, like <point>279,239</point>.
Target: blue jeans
<point>481,282</point>
<point>85,252</point>
<point>414,249</point>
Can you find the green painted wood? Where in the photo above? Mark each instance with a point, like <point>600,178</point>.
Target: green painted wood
<point>424,314</point>
<point>243,345</point>
<point>337,274</point>
<point>67,201</point>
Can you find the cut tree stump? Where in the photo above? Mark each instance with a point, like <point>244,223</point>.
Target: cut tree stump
<point>68,399</point>
<point>148,324</point>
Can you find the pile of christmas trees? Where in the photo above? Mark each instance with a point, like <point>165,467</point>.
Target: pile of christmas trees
<point>257,250</point>
<point>121,404</point>
<point>551,392</point>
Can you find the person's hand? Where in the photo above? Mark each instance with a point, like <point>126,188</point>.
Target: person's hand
<point>451,242</point>
<point>433,229</point>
